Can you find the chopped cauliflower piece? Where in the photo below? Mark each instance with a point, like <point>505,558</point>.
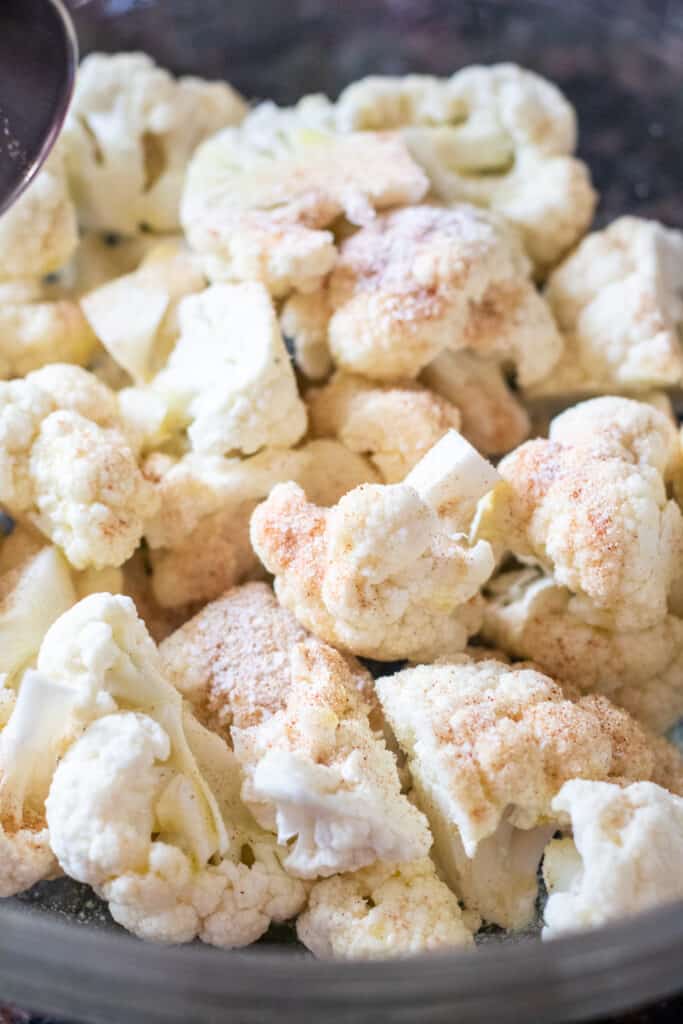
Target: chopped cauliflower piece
<point>624,858</point>
<point>384,910</point>
<point>595,513</point>
<point>493,420</point>
<point>393,425</point>
<point>229,380</point>
<point>618,302</point>
<point>38,234</point>
<point>530,616</point>
<point>316,773</point>
<point>35,330</point>
<point>135,316</point>
<point>304,321</point>
<point>418,281</point>
<point>488,747</point>
<point>497,136</point>
<point>129,136</point>
<point>259,204</point>
<point>381,574</point>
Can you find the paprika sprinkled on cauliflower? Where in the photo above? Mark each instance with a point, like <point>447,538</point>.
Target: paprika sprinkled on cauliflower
<point>229,380</point>
<point>497,136</point>
<point>595,513</point>
<point>394,425</point>
<point>385,572</point>
<point>624,857</point>
<point>417,281</point>
<point>617,300</point>
<point>384,910</point>
<point>135,316</point>
<point>259,204</point>
<point>129,135</point>
<point>35,331</point>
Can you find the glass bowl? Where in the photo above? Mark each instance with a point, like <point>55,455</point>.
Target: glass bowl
<point>621,64</point>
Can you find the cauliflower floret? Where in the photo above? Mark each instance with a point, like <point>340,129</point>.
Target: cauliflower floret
<point>618,302</point>
<point>385,572</point>
<point>35,331</point>
<point>129,136</point>
<point>135,316</point>
<point>492,418</point>
<point>394,425</point>
<point>39,233</point>
<point>384,910</point>
<point>530,616</point>
<point>316,773</point>
<point>304,319</point>
<point>257,201</point>
<point>595,513</point>
<point>625,856</point>
<point>497,136</point>
<point>229,380</point>
<point>415,282</point>
<point>488,746</point>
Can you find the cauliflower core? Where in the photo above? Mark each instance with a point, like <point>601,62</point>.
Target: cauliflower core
<point>385,573</point>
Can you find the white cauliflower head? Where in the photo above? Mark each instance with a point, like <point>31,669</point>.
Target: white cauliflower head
<point>260,199</point>
<point>384,910</point>
<point>617,300</point>
<point>135,316</point>
<point>624,857</point>
<point>497,136</point>
<point>384,573</point>
<point>129,136</point>
<point>417,281</point>
<point>595,513</point>
<point>393,425</point>
<point>36,330</point>
<point>229,380</point>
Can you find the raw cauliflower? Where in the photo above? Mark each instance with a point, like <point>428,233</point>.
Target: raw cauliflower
<point>260,200</point>
<point>384,910</point>
<point>229,381</point>
<point>594,512</point>
<point>497,136</point>
<point>386,573</point>
<point>304,319</point>
<point>36,330</point>
<point>530,616</point>
<point>317,775</point>
<point>393,425</point>
<point>135,316</point>
<point>624,857</point>
<point>618,302</point>
<point>38,234</point>
<point>415,282</point>
<point>488,747</point>
<point>129,136</point>
<point>492,419</point>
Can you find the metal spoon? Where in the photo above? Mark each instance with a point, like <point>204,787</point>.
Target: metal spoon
<point>38,59</point>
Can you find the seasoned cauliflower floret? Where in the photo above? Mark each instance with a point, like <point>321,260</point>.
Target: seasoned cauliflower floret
<point>129,135</point>
<point>135,316</point>
<point>385,573</point>
<point>488,746</point>
<point>618,302</point>
<point>35,330</point>
<point>229,380</point>
<point>497,136</point>
<point>384,910</point>
<point>415,282</point>
<point>394,425</point>
<point>317,774</point>
<point>530,616</point>
<point>595,513</point>
<point>624,858</point>
<point>259,203</point>
<point>304,321</point>
<point>493,420</point>
<point>39,233</point>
